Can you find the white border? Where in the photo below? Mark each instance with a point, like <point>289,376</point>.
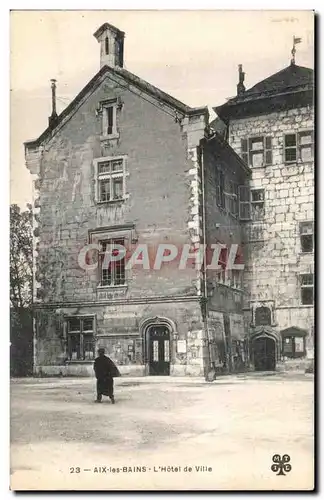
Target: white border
<point>4,48</point>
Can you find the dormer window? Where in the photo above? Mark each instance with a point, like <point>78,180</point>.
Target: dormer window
<point>110,122</point>
<point>107,110</point>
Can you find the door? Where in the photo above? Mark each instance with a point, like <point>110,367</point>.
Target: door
<point>264,354</point>
<point>159,350</point>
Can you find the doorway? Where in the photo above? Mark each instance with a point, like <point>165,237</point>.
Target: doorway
<point>264,354</point>
<point>159,350</point>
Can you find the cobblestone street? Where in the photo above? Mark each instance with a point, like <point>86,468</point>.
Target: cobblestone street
<point>232,426</point>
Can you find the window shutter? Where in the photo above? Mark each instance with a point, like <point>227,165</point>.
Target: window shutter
<point>217,195</point>
<point>217,187</point>
<point>268,150</point>
<point>222,188</point>
<point>244,203</point>
<point>244,151</point>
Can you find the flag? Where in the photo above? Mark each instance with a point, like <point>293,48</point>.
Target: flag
<point>297,40</point>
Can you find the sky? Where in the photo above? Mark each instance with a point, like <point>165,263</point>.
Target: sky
<point>192,55</point>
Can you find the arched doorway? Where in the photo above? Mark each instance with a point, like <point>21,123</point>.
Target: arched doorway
<point>264,349</point>
<point>264,354</point>
<point>158,350</point>
<point>157,334</point>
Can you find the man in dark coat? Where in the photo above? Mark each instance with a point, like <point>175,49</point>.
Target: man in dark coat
<point>105,370</point>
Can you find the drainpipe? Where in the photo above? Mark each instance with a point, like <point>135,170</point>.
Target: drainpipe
<point>205,294</point>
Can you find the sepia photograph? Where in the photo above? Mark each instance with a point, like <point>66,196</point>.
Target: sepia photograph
<point>162,240</point>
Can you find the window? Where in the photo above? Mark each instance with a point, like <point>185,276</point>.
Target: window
<point>112,271</point>
<point>299,147</point>
<point>107,45</point>
<point>111,180</point>
<point>257,151</point>
<point>257,204</point>
<point>262,316</point>
<point>81,346</point>
<point>110,120</point>
<point>306,237</point>
<point>307,289</point>
<point>251,203</point>
<point>108,112</point>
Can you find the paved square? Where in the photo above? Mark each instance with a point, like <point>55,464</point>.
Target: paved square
<point>232,426</point>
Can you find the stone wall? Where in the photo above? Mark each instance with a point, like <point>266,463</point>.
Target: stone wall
<point>158,203</point>
<point>161,206</point>
<point>120,326</point>
<point>225,301</point>
<point>273,256</point>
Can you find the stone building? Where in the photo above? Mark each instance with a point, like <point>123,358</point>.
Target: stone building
<point>271,126</point>
<point>126,165</point>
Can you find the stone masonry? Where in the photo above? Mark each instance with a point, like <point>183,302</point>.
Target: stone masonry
<point>274,260</point>
<point>161,206</point>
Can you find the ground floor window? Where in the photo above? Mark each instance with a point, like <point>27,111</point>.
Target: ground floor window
<point>81,345</point>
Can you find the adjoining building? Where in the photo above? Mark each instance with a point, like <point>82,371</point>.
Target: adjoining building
<point>271,126</point>
<point>127,166</point>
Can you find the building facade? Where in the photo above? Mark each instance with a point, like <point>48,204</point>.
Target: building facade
<point>126,166</point>
<point>129,171</point>
<point>271,126</point>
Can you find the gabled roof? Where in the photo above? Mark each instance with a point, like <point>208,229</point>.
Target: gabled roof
<point>107,26</point>
<point>129,78</point>
<point>293,330</point>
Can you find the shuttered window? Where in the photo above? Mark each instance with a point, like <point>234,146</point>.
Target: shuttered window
<point>257,151</point>
<point>251,203</point>
<point>299,147</point>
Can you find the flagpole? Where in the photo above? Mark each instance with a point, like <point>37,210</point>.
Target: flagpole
<point>293,50</point>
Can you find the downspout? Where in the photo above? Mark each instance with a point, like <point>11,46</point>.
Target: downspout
<point>205,294</point>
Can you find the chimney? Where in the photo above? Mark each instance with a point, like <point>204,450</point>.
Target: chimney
<point>240,85</point>
<point>53,118</point>
<point>111,41</point>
